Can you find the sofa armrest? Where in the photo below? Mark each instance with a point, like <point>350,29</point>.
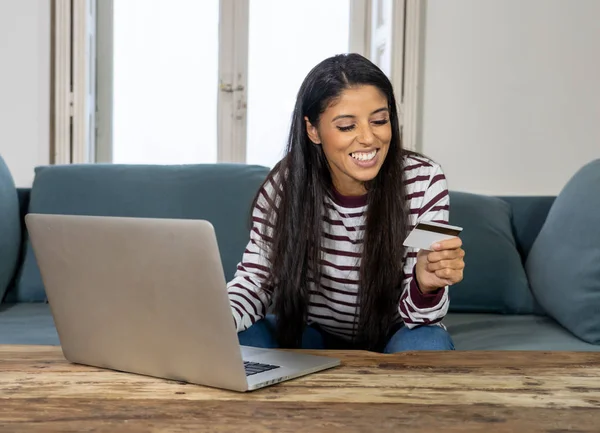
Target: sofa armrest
<point>23,194</point>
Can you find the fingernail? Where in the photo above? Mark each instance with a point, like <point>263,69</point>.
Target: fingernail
<point>436,246</point>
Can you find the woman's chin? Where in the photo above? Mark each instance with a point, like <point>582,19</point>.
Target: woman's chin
<point>365,174</point>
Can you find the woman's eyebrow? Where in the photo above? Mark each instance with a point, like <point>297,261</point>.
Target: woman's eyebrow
<point>343,116</point>
<point>350,116</point>
<point>379,110</point>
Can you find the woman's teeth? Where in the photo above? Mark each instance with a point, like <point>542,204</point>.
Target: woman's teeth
<point>364,156</point>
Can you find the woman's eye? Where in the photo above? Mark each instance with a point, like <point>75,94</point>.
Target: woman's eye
<point>345,128</point>
<point>381,122</point>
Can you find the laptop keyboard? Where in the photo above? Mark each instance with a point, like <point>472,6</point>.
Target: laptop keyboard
<point>255,367</point>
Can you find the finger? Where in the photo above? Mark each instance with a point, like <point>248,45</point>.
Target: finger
<point>451,275</point>
<point>442,282</point>
<point>456,264</point>
<point>422,253</point>
<point>445,255</point>
<point>448,244</point>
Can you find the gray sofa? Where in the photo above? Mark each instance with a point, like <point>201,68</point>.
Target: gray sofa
<point>494,308</point>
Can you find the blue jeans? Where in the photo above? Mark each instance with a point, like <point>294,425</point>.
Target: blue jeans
<point>262,334</point>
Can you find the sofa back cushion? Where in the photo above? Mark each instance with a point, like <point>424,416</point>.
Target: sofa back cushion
<point>528,216</point>
<point>494,280</point>
<point>219,193</point>
<point>10,228</point>
<point>564,262</point>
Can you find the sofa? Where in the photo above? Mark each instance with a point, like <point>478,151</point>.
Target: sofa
<point>502,304</point>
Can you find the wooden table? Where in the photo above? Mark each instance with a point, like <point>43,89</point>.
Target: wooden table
<point>411,392</point>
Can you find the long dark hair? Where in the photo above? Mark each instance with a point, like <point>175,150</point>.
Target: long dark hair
<point>303,180</point>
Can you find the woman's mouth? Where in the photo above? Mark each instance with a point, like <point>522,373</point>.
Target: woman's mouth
<point>364,156</point>
<point>365,159</point>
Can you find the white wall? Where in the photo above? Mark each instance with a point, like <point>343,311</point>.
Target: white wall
<point>24,86</point>
<point>511,92</point>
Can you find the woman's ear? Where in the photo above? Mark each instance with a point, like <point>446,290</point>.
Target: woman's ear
<point>313,134</point>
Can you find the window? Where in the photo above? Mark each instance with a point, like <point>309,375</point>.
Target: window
<point>184,81</point>
<point>165,69</point>
<point>281,53</point>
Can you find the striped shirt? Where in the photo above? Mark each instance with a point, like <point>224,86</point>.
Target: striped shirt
<point>333,303</point>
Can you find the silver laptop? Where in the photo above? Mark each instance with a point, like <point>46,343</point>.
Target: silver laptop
<point>148,296</point>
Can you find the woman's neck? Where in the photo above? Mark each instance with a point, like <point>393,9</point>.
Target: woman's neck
<point>357,199</point>
<point>350,189</point>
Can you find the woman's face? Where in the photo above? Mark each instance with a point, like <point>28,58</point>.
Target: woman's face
<point>355,133</point>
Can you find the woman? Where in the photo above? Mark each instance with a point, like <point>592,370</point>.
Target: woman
<point>325,250</point>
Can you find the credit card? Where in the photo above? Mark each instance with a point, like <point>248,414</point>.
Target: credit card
<point>425,234</point>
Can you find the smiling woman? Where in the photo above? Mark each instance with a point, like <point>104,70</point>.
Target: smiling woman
<point>355,134</point>
<point>326,246</point>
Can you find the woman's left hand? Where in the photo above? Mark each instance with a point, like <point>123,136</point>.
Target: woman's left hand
<point>441,267</point>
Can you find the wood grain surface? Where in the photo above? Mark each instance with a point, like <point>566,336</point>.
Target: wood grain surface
<point>424,392</point>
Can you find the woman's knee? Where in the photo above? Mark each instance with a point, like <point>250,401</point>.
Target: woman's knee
<point>312,339</point>
<point>260,334</point>
<point>431,337</point>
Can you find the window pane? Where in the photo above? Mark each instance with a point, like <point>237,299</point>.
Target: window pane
<point>287,39</point>
<point>165,81</point>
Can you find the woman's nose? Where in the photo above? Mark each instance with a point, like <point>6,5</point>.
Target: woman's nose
<point>366,136</point>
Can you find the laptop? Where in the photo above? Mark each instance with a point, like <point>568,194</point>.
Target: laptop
<point>148,296</point>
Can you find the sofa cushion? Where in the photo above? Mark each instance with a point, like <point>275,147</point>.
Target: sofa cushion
<point>27,323</point>
<point>512,332</point>
<point>564,262</point>
<point>219,193</point>
<point>494,279</point>
<point>10,228</point>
